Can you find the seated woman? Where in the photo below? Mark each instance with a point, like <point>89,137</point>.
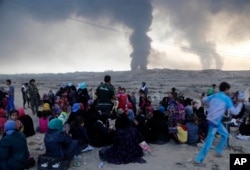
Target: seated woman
<point>100,135</point>
<point>125,148</point>
<point>244,129</point>
<point>27,123</point>
<point>58,144</point>
<point>13,148</point>
<point>141,123</point>
<point>158,128</point>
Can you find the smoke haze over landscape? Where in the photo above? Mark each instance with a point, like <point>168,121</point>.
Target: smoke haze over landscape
<point>97,35</point>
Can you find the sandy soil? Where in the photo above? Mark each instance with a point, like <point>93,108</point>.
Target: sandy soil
<point>163,157</point>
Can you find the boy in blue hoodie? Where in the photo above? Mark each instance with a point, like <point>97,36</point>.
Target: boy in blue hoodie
<point>218,105</point>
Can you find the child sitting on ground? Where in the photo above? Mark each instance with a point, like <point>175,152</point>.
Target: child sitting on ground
<point>79,133</point>
<point>193,131</point>
<point>181,134</point>
<point>43,116</point>
<point>14,115</point>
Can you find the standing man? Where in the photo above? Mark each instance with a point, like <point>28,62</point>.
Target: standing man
<point>34,96</point>
<point>144,88</point>
<point>10,96</point>
<point>218,105</point>
<point>25,94</point>
<point>105,94</point>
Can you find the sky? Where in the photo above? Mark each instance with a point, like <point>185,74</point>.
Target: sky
<point>44,36</point>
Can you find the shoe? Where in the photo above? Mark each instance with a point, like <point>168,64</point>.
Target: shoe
<point>88,148</point>
<point>242,137</point>
<point>45,165</point>
<point>76,163</point>
<point>56,165</point>
<point>200,164</point>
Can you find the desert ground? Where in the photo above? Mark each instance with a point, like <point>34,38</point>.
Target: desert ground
<point>169,156</point>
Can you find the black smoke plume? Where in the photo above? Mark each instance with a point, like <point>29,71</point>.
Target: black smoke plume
<point>134,14</point>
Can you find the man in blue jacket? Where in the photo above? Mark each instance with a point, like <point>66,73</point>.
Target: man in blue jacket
<point>218,104</point>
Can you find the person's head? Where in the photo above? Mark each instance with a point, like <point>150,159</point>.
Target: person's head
<point>8,82</point>
<point>180,123</point>
<point>26,84</point>
<point>173,89</point>
<point>178,100</point>
<point>123,90</point>
<point>107,79</point>
<point>14,114</point>
<point>149,98</point>
<point>32,81</point>
<point>143,83</point>
<point>55,124</point>
<point>46,107</point>
<point>10,127</point>
<point>76,107</point>
<point>188,101</point>
<point>21,112</point>
<point>225,87</point>
<point>214,86</point>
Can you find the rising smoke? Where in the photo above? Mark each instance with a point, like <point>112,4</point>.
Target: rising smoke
<point>134,14</point>
<point>193,20</point>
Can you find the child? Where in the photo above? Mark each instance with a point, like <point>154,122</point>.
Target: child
<point>193,131</point>
<point>44,118</point>
<point>79,133</point>
<point>14,115</point>
<point>181,133</point>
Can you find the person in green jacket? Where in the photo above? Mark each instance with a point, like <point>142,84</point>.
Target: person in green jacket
<point>34,96</point>
<point>211,90</point>
<point>13,148</point>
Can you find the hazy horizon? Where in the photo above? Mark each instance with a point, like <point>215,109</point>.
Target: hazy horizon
<point>63,36</point>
